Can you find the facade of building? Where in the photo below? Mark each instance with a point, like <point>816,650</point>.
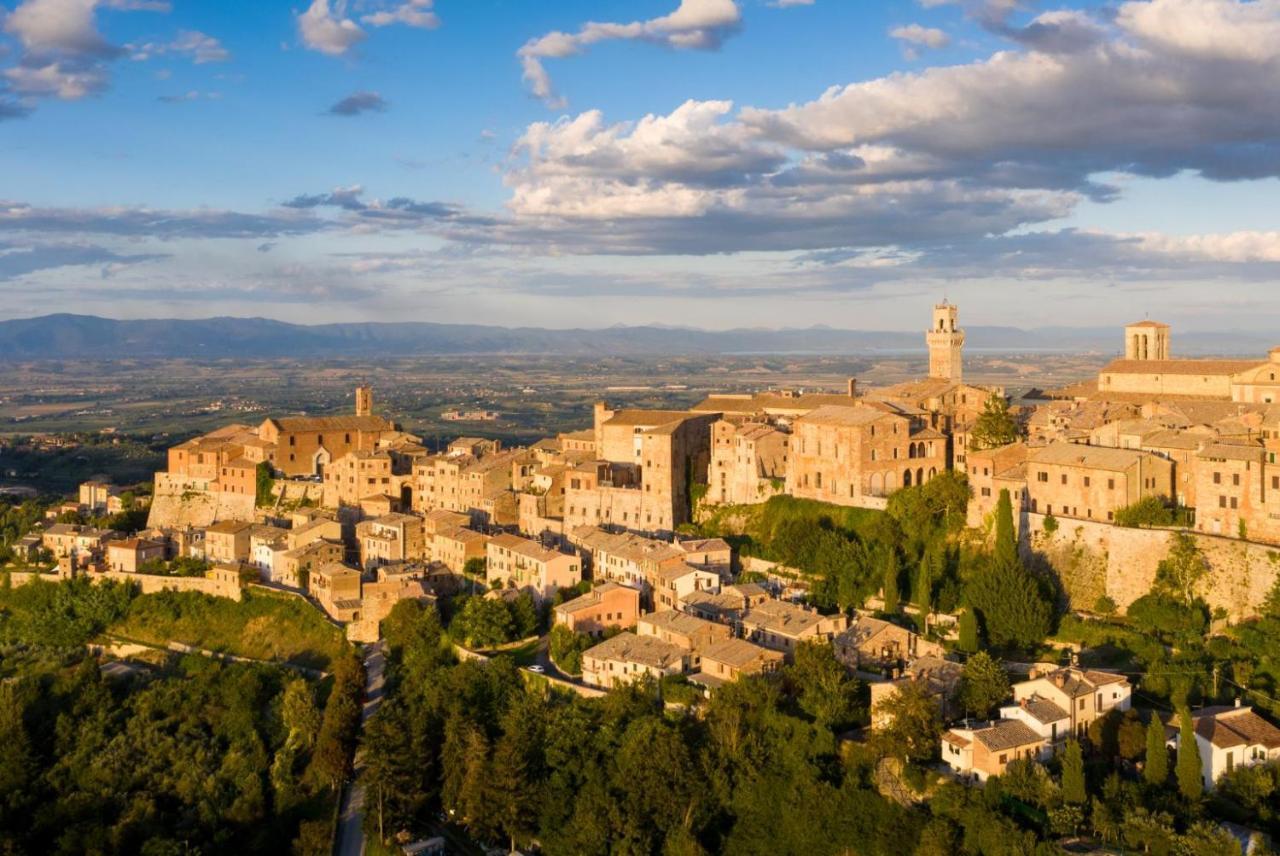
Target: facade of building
<point>515,562</point>
<point>1228,738</point>
<point>607,605</point>
<point>1085,695</point>
<point>627,658</point>
<point>982,750</point>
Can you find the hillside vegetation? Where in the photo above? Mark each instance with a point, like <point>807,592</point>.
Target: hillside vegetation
<point>263,626</point>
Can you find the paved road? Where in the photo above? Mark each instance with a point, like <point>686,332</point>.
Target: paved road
<point>350,838</point>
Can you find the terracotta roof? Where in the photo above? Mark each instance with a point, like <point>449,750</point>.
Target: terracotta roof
<point>524,547</point>
<point>296,424</point>
<point>1091,457</point>
<point>850,416</point>
<point>640,418</point>
<point>781,617</point>
<point>1148,323</point>
<point>1005,734</point>
<point>593,597</point>
<point>1232,452</point>
<point>1043,710</point>
<point>674,621</point>
<point>1235,726</point>
<point>1180,367</point>
<point>630,648</point>
<point>738,653</point>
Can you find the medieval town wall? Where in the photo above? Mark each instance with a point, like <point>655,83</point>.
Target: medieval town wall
<point>1092,558</point>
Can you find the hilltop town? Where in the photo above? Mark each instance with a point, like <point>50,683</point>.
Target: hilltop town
<point>638,541</point>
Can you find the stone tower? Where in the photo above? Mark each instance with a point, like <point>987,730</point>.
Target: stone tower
<point>364,401</point>
<point>946,343</point>
<point>1146,340</point>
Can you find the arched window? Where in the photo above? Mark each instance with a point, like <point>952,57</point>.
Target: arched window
<point>906,478</point>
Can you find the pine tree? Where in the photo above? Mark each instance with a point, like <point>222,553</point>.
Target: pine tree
<point>1156,767</point>
<point>1073,788</point>
<point>968,631</point>
<point>891,572</point>
<point>995,426</point>
<point>1190,783</point>
<point>984,683</point>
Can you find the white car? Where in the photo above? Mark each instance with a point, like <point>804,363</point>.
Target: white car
<point>536,669</point>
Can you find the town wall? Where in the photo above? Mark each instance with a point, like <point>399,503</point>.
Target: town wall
<point>181,502</point>
<point>1092,558</point>
<point>149,583</point>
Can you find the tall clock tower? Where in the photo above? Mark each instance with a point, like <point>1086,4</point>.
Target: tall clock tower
<point>946,343</point>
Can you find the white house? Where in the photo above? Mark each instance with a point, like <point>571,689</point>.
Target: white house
<point>1228,737</point>
<point>1046,718</point>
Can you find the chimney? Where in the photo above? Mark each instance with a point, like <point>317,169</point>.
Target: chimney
<point>1237,701</point>
<point>1060,679</point>
<point>853,387</point>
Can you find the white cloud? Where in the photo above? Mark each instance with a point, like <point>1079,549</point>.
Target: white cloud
<point>1206,29</point>
<point>915,36</point>
<point>63,53</point>
<point>694,25</point>
<point>929,37</point>
<point>411,13</point>
<point>199,47</point>
<point>329,30</point>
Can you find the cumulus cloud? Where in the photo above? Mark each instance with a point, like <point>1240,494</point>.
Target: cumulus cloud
<point>359,102</point>
<point>694,25</point>
<point>411,13</point>
<point>329,30</point>
<point>63,54</point>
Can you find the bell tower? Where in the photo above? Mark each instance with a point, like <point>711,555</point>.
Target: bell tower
<point>946,343</point>
<point>364,401</point>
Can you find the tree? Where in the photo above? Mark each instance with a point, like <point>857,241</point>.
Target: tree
<point>823,686</point>
<point>968,641</point>
<point>1146,512</point>
<point>1188,771</point>
<point>922,590</point>
<point>264,485</point>
<point>1185,565</point>
<point>1073,786</point>
<point>911,724</point>
<point>483,623</point>
<point>891,570</point>
<point>984,683</point>
<point>1009,601</point>
<point>1156,766</point>
<point>995,426</point>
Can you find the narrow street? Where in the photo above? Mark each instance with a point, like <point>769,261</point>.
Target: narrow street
<point>349,840</point>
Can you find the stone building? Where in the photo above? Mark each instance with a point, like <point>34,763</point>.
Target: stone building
<point>1090,482</point>
<point>607,605</point>
<point>859,455</point>
<point>748,462</point>
<point>390,538</point>
<point>515,562</point>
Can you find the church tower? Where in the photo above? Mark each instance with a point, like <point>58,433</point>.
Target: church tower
<point>364,401</point>
<point>946,343</point>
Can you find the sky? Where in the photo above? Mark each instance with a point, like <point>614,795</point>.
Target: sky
<point>703,163</point>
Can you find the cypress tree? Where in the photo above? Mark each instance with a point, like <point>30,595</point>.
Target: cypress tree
<point>1190,783</point>
<point>968,631</point>
<point>1006,546</point>
<point>922,591</point>
<point>1156,768</point>
<point>1073,790</point>
<point>890,582</point>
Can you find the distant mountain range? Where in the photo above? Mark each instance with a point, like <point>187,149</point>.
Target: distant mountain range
<point>66,336</point>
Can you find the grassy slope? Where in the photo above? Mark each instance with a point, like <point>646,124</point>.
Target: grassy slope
<point>262,626</point>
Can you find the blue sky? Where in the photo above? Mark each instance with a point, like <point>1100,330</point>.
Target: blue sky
<point>711,163</point>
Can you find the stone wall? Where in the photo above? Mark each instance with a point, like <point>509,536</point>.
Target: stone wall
<point>181,502</point>
<point>1091,559</point>
<point>148,583</point>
